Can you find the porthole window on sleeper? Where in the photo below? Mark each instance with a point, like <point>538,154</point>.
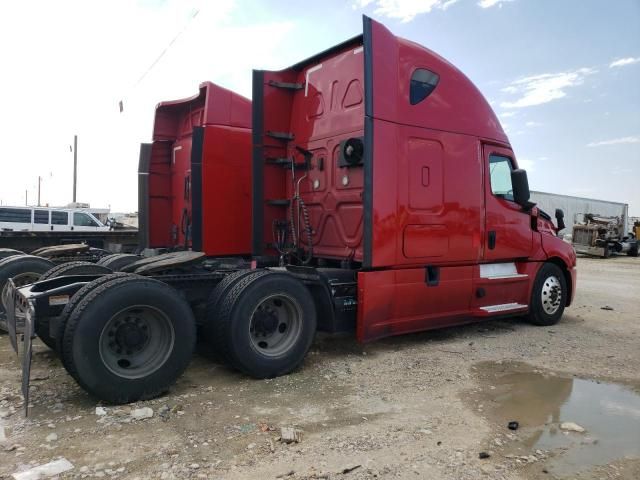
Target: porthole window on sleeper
<point>423,82</point>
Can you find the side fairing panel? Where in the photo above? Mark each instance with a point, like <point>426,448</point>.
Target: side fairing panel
<point>393,302</point>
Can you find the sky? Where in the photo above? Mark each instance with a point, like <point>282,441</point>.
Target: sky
<point>562,75</point>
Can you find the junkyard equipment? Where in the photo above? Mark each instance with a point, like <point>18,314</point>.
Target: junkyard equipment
<point>601,236</point>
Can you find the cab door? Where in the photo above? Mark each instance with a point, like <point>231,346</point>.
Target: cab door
<point>508,233</point>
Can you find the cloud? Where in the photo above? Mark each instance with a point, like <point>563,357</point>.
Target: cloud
<point>533,124</point>
<point>615,141</point>
<point>526,164</point>
<point>544,88</point>
<point>622,62</point>
<point>404,10</point>
<point>492,3</point>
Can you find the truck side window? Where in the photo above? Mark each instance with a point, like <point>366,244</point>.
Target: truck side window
<point>423,82</point>
<point>83,220</point>
<point>41,216</point>
<point>500,171</point>
<point>59,218</point>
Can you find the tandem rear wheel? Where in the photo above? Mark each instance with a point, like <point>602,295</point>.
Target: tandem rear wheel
<point>127,337</point>
<point>263,322</point>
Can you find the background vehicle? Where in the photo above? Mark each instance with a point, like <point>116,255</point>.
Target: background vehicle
<point>601,236</point>
<point>42,219</point>
<point>384,200</point>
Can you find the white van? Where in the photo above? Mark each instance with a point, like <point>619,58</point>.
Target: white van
<point>44,219</point>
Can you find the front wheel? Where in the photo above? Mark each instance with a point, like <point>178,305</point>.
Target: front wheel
<point>549,296</point>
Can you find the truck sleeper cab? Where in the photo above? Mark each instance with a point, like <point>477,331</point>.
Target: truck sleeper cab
<point>385,199</point>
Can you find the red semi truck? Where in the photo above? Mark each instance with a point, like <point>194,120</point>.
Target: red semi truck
<point>385,199</point>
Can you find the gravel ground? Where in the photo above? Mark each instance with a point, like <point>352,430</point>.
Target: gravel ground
<point>405,407</point>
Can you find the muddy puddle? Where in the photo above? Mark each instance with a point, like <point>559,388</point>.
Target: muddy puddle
<point>543,401</point>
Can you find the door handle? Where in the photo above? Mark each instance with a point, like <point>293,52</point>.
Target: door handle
<point>492,239</point>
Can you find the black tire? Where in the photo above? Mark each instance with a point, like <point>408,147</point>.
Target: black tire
<point>87,339</point>
<point>236,324</point>
<point>549,296</point>
<point>75,268</point>
<point>9,252</point>
<point>117,261</point>
<point>71,268</point>
<point>73,303</point>
<point>633,251</point>
<point>212,344</point>
<point>24,269</point>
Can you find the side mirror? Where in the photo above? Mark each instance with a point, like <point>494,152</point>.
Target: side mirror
<point>520,186</point>
<point>560,219</point>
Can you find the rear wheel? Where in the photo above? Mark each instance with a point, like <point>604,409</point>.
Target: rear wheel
<point>73,303</point>
<point>213,344</point>
<point>71,268</point>
<point>267,323</point>
<point>549,296</point>
<point>23,270</point>
<point>633,251</point>
<point>9,252</point>
<point>117,261</point>
<point>129,339</point>
<point>75,268</point>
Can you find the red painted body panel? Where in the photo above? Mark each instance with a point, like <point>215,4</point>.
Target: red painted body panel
<point>425,186</point>
<point>226,172</point>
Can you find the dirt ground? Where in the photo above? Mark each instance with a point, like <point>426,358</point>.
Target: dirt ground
<point>418,406</point>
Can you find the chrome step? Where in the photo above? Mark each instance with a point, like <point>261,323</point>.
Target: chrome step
<point>503,307</point>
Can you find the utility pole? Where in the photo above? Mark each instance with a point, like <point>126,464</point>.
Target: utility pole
<point>75,166</point>
<point>39,181</point>
<point>26,198</point>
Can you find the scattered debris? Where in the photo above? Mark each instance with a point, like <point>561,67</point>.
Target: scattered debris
<point>164,412</point>
<point>350,469</point>
<point>52,437</point>
<point>142,413</point>
<point>288,474</point>
<point>484,455</point>
<point>50,469</point>
<point>513,425</point>
<point>290,435</point>
<point>101,411</point>
<point>606,307</point>
<point>272,446</point>
<point>571,427</point>
<point>4,413</point>
<point>3,435</point>
<point>39,376</point>
<point>265,427</point>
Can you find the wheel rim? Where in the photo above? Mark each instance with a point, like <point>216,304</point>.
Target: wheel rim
<point>136,341</point>
<point>276,325</point>
<point>551,295</point>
